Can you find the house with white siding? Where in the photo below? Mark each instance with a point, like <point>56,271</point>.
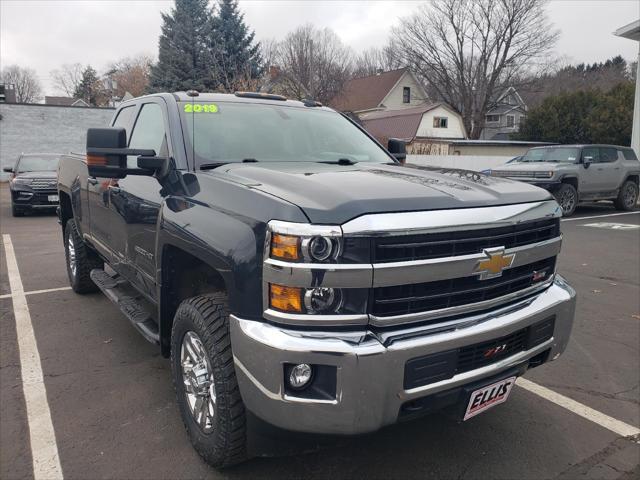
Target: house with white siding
<point>427,129</point>
<point>393,90</point>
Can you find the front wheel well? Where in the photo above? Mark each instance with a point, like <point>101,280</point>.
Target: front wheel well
<point>66,209</point>
<point>183,276</point>
<point>635,178</point>
<point>573,181</point>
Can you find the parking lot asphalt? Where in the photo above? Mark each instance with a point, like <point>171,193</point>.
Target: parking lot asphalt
<point>114,413</point>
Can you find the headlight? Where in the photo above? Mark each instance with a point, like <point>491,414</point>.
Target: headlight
<point>304,243</point>
<point>323,300</point>
<point>22,181</point>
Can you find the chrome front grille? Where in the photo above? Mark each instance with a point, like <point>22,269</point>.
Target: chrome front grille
<point>432,267</point>
<point>458,292</point>
<point>520,174</point>
<point>450,244</point>
<point>44,184</point>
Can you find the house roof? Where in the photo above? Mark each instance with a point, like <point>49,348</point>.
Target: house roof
<point>396,123</point>
<point>65,101</point>
<point>630,31</point>
<point>59,100</point>
<point>365,93</point>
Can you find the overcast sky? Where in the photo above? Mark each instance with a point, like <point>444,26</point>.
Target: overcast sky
<point>46,34</point>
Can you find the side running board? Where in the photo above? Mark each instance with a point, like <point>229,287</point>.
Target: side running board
<point>130,303</point>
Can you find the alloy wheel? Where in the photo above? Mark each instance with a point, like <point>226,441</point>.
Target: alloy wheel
<point>72,256</point>
<point>630,195</point>
<point>567,201</point>
<point>198,381</point>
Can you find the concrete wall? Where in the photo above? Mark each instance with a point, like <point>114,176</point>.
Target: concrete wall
<point>32,128</point>
<point>466,162</point>
<point>454,129</point>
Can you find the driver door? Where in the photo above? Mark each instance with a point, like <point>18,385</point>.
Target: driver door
<point>135,201</point>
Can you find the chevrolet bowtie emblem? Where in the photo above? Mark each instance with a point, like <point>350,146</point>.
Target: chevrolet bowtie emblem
<point>495,264</point>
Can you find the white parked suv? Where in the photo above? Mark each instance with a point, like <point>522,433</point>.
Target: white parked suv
<point>580,173</point>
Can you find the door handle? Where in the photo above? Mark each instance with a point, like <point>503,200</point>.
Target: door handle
<point>92,180</point>
<point>115,190</point>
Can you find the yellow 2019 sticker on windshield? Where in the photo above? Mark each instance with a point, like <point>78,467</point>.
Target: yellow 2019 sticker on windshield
<point>200,108</point>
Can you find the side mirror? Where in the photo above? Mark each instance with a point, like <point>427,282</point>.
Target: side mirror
<point>7,169</point>
<point>107,153</point>
<point>586,161</point>
<point>398,148</point>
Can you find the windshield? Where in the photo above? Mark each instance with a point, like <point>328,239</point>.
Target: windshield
<point>45,163</point>
<point>235,132</point>
<point>552,154</point>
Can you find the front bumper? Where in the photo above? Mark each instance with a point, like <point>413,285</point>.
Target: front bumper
<point>370,366</point>
<point>26,198</point>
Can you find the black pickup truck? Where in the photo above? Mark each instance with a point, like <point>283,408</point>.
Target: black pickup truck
<point>299,273</point>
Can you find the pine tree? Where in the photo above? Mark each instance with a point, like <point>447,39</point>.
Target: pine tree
<point>183,59</point>
<point>90,89</point>
<point>236,55</point>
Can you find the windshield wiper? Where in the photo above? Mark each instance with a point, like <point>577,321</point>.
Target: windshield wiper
<point>340,161</point>
<point>211,166</point>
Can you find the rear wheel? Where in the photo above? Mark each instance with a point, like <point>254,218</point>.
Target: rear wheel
<point>205,380</point>
<point>567,196</point>
<point>627,196</point>
<point>80,260</point>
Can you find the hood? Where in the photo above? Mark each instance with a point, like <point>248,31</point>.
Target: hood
<point>334,194</point>
<point>43,174</point>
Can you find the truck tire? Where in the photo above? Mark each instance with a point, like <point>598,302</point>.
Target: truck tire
<point>205,380</point>
<point>627,196</point>
<point>567,196</point>
<point>80,260</point>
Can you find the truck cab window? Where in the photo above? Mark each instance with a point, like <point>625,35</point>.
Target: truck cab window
<point>124,118</point>
<point>148,132</point>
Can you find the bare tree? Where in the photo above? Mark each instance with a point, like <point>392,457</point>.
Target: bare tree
<point>130,74</point>
<point>467,51</point>
<point>25,82</point>
<point>67,78</point>
<point>313,63</point>
<point>374,60</point>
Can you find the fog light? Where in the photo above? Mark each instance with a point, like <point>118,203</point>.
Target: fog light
<point>300,375</point>
<point>323,300</point>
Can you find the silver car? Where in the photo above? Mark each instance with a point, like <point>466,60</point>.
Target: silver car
<point>580,173</point>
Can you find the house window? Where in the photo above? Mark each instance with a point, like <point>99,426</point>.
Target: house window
<point>511,120</point>
<point>493,118</point>
<point>440,122</point>
<point>406,95</point>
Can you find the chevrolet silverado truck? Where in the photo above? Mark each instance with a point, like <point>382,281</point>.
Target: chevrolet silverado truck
<point>299,274</point>
<point>579,173</point>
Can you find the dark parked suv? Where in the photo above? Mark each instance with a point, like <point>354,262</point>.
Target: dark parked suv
<point>34,184</point>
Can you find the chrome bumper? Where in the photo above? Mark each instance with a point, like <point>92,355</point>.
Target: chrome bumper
<point>370,368</point>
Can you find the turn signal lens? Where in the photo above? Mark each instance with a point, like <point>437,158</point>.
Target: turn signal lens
<point>285,299</point>
<point>285,247</point>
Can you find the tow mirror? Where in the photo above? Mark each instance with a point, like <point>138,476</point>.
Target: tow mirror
<point>7,169</point>
<point>107,153</point>
<point>398,148</point>
<point>586,161</point>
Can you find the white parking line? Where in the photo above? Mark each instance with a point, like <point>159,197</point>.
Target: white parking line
<point>44,449</point>
<point>610,423</point>
<point>598,216</point>
<point>36,292</point>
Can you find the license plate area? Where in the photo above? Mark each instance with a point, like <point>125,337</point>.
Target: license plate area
<point>482,399</point>
<point>52,198</point>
